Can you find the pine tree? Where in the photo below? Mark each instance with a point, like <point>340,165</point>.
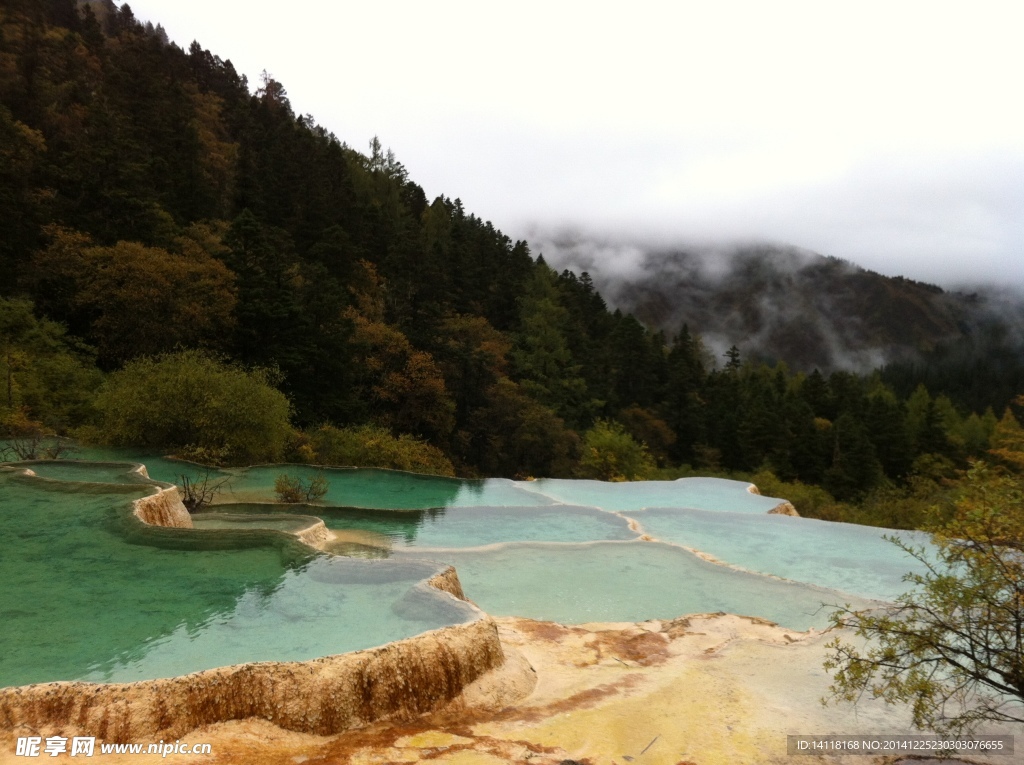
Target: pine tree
<point>541,360</point>
<point>268,306</point>
<point>682,402</point>
<point>815,391</point>
<point>885,421</point>
<point>855,468</point>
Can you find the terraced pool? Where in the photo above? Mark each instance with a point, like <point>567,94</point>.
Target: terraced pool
<point>91,593</point>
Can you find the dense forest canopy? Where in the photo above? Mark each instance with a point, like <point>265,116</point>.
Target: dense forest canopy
<point>161,213</point>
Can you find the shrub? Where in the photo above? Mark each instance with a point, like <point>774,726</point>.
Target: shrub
<point>893,507</point>
<point>45,375</point>
<point>288,489</point>
<point>22,438</point>
<point>810,501</point>
<point>611,454</point>
<point>374,446</point>
<point>192,401</point>
<point>292,490</point>
<point>950,648</point>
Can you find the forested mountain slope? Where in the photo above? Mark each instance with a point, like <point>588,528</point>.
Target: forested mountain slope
<point>160,214</point>
<point>783,303</point>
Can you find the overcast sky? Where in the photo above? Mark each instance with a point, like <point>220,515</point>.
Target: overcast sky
<point>889,133</point>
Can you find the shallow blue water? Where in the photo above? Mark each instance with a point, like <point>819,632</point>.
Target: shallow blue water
<point>841,556</point>
<point>626,581</point>
<point>92,594</point>
<point>397,490</point>
<point>464,526</point>
<point>89,472</point>
<point>698,493</point>
<point>383,489</point>
<point>368,488</point>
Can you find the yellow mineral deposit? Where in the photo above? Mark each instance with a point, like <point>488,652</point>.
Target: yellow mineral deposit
<point>712,689</point>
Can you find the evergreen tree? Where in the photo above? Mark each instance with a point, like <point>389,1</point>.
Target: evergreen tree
<point>886,426</point>
<point>1007,442</point>
<point>542,361</point>
<point>815,390</point>
<point>724,397</point>
<point>268,313</point>
<point>924,422</point>
<point>635,367</point>
<point>682,402</point>
<point>809,449</point>
<point>855,468</point>
<point>759,426</point>
<point>733,355</point>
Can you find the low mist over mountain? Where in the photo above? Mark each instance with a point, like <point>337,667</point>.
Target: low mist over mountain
<point>784,303</point>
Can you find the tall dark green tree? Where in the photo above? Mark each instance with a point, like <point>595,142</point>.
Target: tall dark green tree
<point>855,468</point>
<point>682,400</point>
<point>760,427</point>
<point>268,313</point>
<point>816,392</point>
<point>885,420</point>
<point>541,359</point>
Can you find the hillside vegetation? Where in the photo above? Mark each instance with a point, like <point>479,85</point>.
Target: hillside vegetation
<point>160,211</point>
<point>784,303</point>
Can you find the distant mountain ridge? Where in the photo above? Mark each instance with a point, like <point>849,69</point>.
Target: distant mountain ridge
<point>785,303</point>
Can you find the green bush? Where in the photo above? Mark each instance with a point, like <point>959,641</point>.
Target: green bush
<point>195,403</point>
<point>810,501</point>
<point>609,453</point>
<point>45,375</point>
<point>374,446</point>
<point>893,507</point>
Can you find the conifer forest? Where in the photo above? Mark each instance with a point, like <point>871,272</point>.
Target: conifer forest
<point>189,264</point>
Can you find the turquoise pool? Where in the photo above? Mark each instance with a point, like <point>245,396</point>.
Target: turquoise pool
<point>714,494</point>
<point>457,527</point>
<point>628,581</point>
<point>91,593</point>
<point>841,556</point>
<point>85,596</point>
<point>370,488</point>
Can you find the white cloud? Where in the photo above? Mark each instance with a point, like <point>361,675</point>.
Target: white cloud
<point>886,133</point>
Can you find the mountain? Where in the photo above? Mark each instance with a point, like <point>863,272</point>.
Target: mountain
<point>785,303</point>
<point>161,214</point>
